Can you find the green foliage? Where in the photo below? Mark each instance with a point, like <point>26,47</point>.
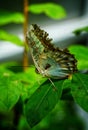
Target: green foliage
<point>7,17</point>
<point>46,98</point>
<point>62,117</point>
<point>10,37</point>
<point>10,89</point>
<point>50,9</point>
<point>80,90</point>
<point>39,96</point>
<point>81,54</point>
<point>80,30</point>
<point>23,125</point>
<point>31,81</point>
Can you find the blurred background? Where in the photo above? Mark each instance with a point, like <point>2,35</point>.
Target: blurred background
<point>60,30</point>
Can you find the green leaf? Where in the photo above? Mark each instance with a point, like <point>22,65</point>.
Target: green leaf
<point>80,90</point>
<point>66,95</point>
<point>31,81</point>
<point>10,37</point>
<point>81,54</point>
<point>67,84</point>
<point>23,125</point>
<point>7,17</point>
<point>10,89</point>
<point>42,101</point>
<point>50,9</point>
<point>80,30</point>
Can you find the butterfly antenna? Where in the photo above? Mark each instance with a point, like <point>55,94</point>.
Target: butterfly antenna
<point>53,85</point>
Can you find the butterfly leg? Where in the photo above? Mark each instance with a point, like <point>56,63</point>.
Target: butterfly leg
<point>53,85</point>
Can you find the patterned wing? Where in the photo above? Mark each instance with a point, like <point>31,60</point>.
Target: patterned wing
<point>50,61</point>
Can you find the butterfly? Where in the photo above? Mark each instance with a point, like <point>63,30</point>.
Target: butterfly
<point>50,61</point>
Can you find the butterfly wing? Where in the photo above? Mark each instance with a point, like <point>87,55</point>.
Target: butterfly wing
<point>49,61</point>
<point>62,64</point>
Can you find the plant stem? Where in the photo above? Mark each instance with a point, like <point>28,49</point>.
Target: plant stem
<point>25,56</point>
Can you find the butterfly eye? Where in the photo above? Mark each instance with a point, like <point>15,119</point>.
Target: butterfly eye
<point>47,66</point>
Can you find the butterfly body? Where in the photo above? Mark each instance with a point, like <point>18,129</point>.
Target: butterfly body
<point>50,61</point>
